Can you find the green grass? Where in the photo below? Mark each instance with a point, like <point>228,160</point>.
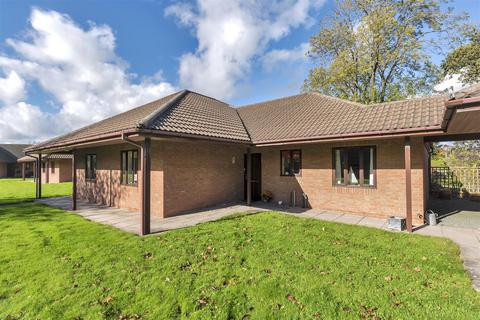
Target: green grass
<point>18,190</point>
<point>56,265</point>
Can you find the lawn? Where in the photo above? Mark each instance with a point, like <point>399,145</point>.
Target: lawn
<point>56,265</point>
<point>18,190</point>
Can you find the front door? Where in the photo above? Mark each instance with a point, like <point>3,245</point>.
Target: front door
<point>256,176</point>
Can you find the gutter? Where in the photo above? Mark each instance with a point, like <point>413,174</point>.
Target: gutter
<point>127,140</point>
<point>355,136</point>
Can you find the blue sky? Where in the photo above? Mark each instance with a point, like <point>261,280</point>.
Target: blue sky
<point>67,63</point>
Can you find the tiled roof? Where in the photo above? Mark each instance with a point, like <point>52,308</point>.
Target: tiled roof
<point>54,156</point>
<point>11,152</point>
<point>303,116</point>
<point>200,115</point>
<point>312,115</point>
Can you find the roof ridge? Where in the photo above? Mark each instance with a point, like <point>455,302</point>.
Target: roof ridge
<point>95,123</point>
<point>209,97</point>
<point>436,96</point>
<point>271,100</point>
<point>148,120</point>
<point>359,104</point>
<point>243,124</point>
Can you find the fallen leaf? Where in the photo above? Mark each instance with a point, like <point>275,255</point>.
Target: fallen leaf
<point>107,300</point>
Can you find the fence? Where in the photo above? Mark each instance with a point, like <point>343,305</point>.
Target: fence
<point>455,179</point>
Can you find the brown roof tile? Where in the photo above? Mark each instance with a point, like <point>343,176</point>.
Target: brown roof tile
<point>303,116</point>
<point>311,115</point>
<point>197,114</point>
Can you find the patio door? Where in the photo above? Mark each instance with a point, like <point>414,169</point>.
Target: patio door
<point>256,176</point>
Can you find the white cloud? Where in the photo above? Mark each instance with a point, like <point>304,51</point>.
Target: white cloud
<point>78,67</point>
<point>450,83</point>
<point>12,88</point>
<point>231,34</point>
<point>273,58</point>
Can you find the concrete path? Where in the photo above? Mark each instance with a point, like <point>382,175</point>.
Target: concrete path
<point>467,238</point>
<point>130,221</point>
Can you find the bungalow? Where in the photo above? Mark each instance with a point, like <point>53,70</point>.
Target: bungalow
<point>186,151</point>
<point>55,168</point>
<point>9,154</point>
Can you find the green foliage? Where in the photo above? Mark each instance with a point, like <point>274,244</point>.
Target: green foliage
<point>57,265</point>
<point>379,50</point>
<point>465,60</point>
<point>462,153</point>
<point>18,190</point>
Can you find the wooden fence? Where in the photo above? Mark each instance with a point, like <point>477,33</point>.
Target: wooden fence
<point>455,179</point>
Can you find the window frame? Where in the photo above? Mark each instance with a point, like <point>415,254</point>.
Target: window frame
<point>94,170</point>
<point>291,151</point>
<point>134,184</point>
<point>361,169</point>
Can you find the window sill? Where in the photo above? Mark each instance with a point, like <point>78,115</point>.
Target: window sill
<point>352,186</point>
<point>91,180</point>
<point>291,175</point>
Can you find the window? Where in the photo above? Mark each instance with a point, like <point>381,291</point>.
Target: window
<point>354,166</point>
<point>91,167</point>
<point>129,166</point>
<point>43,166</point>
<point>290,162</point>
<point>52,164</point>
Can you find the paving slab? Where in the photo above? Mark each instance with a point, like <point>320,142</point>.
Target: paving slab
<point>349,219</point>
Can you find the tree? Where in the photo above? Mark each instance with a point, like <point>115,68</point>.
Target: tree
<point>465,60</point>
<point>463,154</point>
<point>379,50</point>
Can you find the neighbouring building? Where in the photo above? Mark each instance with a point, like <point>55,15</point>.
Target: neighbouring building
<point>55,168</point>
<point>9,154</point>
<point>187,151</point>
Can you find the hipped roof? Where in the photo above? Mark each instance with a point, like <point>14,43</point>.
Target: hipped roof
<point>299,117</point>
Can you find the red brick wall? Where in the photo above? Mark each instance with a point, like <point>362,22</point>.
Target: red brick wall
<point>184,176</point>
<point>62,172</point>
<point>201,174</point>
<point>191,175</point>
<point>106,188</point>
<point>388,198</point>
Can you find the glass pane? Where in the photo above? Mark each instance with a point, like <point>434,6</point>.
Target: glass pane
<point>94,166</point>
<point>88,167</point>
<point>339,165</point>
<point>354,167</point>
<point>130,167</point>
<point>297,161</point>
<point>124,167</point>
<point>135,166</point>
<point>286,163</point>
<point>368,166</point>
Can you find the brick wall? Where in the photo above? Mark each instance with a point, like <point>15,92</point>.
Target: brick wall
<point>61,173</point>
<point>106,188</point>
<point>187,176</point>
<point>388,198</point>
<point>184,176</point>
<point>201,174</point>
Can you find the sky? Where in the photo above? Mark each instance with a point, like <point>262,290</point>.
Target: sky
<point>66,64</point>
